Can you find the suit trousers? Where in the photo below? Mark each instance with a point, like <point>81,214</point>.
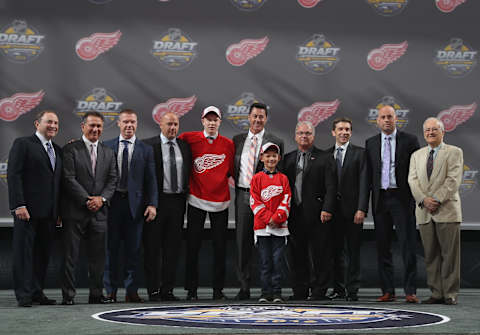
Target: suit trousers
<point>347,239</point>
<point>394,211</point>
<point>441,242</point>
<point>244,237</point>
<point>195,226</point>
<point>122,227</point>
<point>309,253</point>
<point>93,232</point>
<point>32,241</point>
<point>162,242</point>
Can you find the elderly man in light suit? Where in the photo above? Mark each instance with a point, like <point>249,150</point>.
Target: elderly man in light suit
<point>435,176</point>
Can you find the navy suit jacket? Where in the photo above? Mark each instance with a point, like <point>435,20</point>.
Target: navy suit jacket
<point>142,182</point>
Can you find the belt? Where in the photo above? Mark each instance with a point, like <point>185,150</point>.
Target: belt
<point>390,190</point>
<point>243,189</point>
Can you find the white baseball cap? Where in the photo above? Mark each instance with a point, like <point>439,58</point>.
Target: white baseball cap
<point>211,109</point>
<point>268,145</point>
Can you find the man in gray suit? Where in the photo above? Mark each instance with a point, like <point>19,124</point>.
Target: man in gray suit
<point>435,176</point>
<point>89,180</point>
<point>246,164</point>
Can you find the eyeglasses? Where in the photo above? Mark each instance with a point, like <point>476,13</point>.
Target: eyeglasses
<point>306,133</point>
<point>431,130</point>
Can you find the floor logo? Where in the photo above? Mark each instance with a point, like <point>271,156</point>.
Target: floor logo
<point>273,317</point>
<point>175,50</point>
<point>20,42</point>
<point>318,55</point>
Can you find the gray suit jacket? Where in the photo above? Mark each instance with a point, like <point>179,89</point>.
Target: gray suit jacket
<point>79,182</point>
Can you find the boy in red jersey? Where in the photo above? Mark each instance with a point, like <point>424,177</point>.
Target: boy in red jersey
<point>270,202</point>
<point>212,157</point>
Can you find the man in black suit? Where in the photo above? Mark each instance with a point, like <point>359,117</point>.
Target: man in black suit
<point>350,211</point>
<point>34,173</point>
<point>388,158</point>
<point>246,164</point>
<point>134,201</point>
<point>89,181</point>
<point>162,238</point>
<point>311,173</point>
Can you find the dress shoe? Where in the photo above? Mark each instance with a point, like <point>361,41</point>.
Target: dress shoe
<point>169,297</point>
<point>336,295</point>
<point>411,299</point>
<point>387,297</point>
<point>451,301</point>
<point>154,296</point>
<point>264,298</point>
<point>352,296</point>
<point>25,303</point>
<point>133,297</point>
<point>68,302</point>
<point>218,295</point>
<point>295,297</point>
<point>277,298</point>
<point>433,301</point>
<point>112,297</point>
<point>43,300</point>
<point>243,295</point>
<point>318,297</point>
<point>192,295</point>
<point>98,300</point>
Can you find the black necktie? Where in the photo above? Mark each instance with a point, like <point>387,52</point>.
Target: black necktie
<point>430,164</point>
<point>299,178</point>
<point>173,168</point>
<point>124,176</point>
<point>339,163</point>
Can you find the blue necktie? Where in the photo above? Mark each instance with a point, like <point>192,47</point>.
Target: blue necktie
<point>124,177</point>
<point>51,155</point>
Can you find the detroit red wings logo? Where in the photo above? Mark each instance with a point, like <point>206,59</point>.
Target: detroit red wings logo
<point>456,115</point>
<point>271,191</point>
<point>308,3</point>
<point>179,106</point>
<point>448,6</point>
<point>207,162</point>
<point>239,53</point>
<point>379,59</point>
<point>318,112</point>
<point>11,108</point>
<point>88,48</point>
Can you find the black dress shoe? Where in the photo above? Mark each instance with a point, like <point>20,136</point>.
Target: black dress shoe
<point>318,297</point>
<point>25,303</point>
<point>218,295</point>
<point>192,295</point>
<point>43,300</point>
<point>243,295</point>
<point>169,297</point>
<point>451,301</point>
<point>99,300</point>
<point>432,301</point>
<point>68,302</point>
<point>352,297</point>
<point>336,295</point>
<point>112,297</point>
<point>154,296</point>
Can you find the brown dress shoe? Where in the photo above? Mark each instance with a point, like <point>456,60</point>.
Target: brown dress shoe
<point>451,301</point>
<point>411,299</point>
<point>133,297</point>
<point>387,297</point>
<point>432,300</point>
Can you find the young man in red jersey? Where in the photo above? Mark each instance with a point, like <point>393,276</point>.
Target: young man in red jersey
<point>212,157</point>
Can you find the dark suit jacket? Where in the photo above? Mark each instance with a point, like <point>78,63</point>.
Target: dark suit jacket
<point>79,182</point>
<point>31,180</point>
<point>319,186</point>
<point>406,144</point>
<point>156,144</point>
<point>142,183</point>
<point>352,192</point>
<point>239,141</point>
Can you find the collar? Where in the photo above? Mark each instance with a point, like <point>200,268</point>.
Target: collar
<point>88,143</point>
<point>268,172</point>
<point>206,135</point>
<point>344,147</point>
<point>308,151</point>
<point>438,147</point>
<point>165,140</point>
<point>43,139</point>
<point>258,135</point>
<point>131,139</point>
<point>392,135</point>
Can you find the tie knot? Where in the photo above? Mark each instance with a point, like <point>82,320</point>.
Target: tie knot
<point>339,149</point>
<point>48,145</point>
<point>170,143</point>
<point>125,142</point>
<point>389,138</point>
<point>210,138</point>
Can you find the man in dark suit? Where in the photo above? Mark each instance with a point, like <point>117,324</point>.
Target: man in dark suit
<point>89,181</point>
<point>350,211</point>
<point>134,201</point>
<point>311,173</point>
<point>162,238</point>
<point>34,172</point>
<point>388,157</point>
<point>246,164</point>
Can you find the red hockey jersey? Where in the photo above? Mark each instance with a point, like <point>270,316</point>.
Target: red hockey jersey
<point>212,164</point>
<point>270,199</point>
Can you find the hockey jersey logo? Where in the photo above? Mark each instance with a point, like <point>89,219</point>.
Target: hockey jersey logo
<point>271,191</point>
<point>207,162</point>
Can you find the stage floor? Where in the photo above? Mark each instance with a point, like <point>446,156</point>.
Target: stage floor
<point>77,319</point>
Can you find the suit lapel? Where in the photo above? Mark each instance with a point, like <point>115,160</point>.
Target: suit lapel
<point>438,162</point>
<point>86,153</point>
<point>377,152</point>
<point>398,147</point>
<point>135,155</point>
<point>313,156</point>
<point>100,159</point>
<point>43,151</point>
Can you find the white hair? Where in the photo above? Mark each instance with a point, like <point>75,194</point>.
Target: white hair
<point>308,124</point>
<point>439,122</point>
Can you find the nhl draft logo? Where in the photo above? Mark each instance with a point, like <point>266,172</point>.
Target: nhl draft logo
<point>175,50</point>
<point>207,162</point>
<point>318,112</point>
<point>102,101</point>
<point>271,191</point>
<point>448,6</point>
<point>379,59</point>
<point>20,42</point>
<point>88,48</point>
<point>248,5</point>
<point>237,113</point>
<point>318,55</point>
<point>400,110</point>
<point>388,7</point>
<point>239,53</point>
<point>3,171</point>
<point>456,115</point>
<point>457,59</point>
<point>469,180</point>
<point>18,104</point>
<point>308,3</point>
<point>179,106</point>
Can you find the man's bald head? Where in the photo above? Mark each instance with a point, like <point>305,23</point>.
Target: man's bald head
<point>169,124</point>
